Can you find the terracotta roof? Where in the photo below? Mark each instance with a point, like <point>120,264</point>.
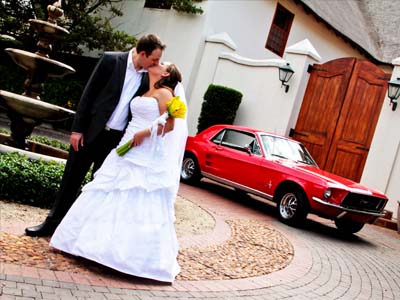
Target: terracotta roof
<point>370,25</point>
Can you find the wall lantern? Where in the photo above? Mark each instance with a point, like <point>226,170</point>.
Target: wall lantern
<point>394,92</point>
<point>285,73</point>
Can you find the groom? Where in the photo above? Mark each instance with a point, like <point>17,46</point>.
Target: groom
<point>100,119</point>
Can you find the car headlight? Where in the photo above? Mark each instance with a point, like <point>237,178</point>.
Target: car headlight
<point>327,193</point>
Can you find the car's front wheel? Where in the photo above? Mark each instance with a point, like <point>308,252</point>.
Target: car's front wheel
<point>190,172</point>
<point>348,226</point>
<point>292,207</point>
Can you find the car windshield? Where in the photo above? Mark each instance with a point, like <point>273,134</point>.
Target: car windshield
<point>277,147</point>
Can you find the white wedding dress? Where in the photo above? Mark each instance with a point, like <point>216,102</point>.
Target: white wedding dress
<point>124,218</point>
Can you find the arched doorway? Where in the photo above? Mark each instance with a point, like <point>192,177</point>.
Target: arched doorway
<point>339,113</point>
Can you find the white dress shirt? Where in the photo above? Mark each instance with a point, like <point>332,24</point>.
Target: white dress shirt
<point>119,117</point>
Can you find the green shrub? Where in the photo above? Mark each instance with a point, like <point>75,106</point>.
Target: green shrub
<point>64,92</point>
<point>50,142</point>
<point>43,140</point>
<point>219,106</point>
<point>33,182</point>
<point>14,80</point>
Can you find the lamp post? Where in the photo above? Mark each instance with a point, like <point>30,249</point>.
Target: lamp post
<point>285,73</point>
<point>394,92</point>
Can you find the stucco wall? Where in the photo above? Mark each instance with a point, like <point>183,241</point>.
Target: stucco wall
<point>248,24</point>
<point>382,169</point>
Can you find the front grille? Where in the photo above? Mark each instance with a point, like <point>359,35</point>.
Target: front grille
<point>364,202</point>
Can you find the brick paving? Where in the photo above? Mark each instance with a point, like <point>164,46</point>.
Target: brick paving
<point>325,265</point>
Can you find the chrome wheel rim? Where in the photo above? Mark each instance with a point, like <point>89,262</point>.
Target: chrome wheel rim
<point>188,168</point>
<point>288,206</point>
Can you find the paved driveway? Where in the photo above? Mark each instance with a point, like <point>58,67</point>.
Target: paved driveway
<point>324,265</point>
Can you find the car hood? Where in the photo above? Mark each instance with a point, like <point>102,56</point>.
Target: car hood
<point>336,180</point>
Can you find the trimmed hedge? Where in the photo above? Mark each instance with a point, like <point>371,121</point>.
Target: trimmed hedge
<point>219,106</point>
<point>50,142</point>
<point>33,182</point>
<point>43,140</point>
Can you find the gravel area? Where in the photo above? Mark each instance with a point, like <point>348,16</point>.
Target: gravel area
<point>254,249</point>
<point>190,218</point>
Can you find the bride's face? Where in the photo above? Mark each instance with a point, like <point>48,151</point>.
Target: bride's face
<point>158,71</point>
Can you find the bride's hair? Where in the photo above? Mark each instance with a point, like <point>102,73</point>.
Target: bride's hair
<point>170,81</point>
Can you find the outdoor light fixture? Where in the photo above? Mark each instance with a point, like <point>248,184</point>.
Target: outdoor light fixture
<point>285,73</point>
<point>394,92</point>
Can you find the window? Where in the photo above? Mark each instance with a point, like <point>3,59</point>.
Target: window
<point>237,140</point>
<point>280,148</point>
<point>162,4</point>
<point>279,31</point>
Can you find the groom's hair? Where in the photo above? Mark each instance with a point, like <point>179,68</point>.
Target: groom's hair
<point>148,43</point>
<point>170,81</point>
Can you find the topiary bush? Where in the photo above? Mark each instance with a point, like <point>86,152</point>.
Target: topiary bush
<point>219,106</point>
<point>28,181</point>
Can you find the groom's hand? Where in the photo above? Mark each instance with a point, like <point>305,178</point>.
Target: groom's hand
<point>76,140</point>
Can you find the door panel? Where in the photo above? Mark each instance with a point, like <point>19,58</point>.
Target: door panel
<point>338,133</point>
<point>321,106</point>
<point>356,125</point>
<point>230,160</point>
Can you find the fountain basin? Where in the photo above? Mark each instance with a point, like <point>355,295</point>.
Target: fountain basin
<point>48,29</point>
<point>34,109</point>
<point>31,61</point>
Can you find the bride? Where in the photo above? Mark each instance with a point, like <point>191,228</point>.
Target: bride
<point>124,218</point>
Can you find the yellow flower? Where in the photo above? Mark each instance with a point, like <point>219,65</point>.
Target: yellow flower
<point>176,108</point>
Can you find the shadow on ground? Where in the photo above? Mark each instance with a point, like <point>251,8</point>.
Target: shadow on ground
<point>314,224</point>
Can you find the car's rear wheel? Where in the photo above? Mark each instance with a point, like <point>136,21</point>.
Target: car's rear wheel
<point>292,207</point>
<point>348,226</point>
<point>190,172</point>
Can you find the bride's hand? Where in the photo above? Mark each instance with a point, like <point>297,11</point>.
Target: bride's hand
<point>139,137</point>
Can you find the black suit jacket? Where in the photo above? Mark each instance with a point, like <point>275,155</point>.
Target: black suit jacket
<point>102,93</point>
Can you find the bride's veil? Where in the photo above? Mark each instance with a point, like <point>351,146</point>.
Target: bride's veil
<point>175,140</point>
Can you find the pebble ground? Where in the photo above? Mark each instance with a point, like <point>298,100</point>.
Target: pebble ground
<point>248,255</point>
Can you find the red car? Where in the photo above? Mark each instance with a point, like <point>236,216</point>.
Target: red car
<point>282,170</point>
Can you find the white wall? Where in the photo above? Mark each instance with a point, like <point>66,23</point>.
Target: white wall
<point>382,168</point>
<point>265,104</point>
<point>247,23</point>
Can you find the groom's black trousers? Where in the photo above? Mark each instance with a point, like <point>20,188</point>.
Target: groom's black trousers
<point>76,168</point>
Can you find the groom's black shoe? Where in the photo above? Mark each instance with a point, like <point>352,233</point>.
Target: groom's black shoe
<point>47,228</point>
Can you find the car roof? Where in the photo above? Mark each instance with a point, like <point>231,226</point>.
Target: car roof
<point>253,130</point>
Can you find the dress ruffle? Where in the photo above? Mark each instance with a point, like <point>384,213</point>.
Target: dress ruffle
<point>131,231</point>
<point>123,173</point>
<point>124,218</point>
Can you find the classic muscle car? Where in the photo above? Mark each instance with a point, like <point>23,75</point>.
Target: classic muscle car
<point>279,169</point>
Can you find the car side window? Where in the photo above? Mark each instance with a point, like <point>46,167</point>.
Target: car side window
<point>238,140</point>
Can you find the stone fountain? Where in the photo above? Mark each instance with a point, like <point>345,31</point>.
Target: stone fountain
<point>27,110</point>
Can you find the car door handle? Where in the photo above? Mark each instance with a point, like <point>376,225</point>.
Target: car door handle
<point>218,148</point>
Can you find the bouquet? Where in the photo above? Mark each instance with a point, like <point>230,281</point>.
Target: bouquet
<point>176,108</point>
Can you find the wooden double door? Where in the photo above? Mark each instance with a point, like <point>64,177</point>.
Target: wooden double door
<point>339,114</point>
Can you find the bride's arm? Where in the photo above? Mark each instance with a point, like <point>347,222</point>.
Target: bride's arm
<point>163,96</point>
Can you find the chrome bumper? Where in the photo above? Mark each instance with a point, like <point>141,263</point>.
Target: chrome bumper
<point>348,210</point>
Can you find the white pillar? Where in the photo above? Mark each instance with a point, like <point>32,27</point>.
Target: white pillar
<point>382,167</point>
<point>300,56</point>
<point>215,45</point>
